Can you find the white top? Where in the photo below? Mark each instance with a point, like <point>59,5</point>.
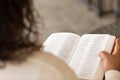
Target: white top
<point>112,75</point>
<point>44,66</point>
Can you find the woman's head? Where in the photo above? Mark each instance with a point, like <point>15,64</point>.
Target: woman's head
<point>17,24</point>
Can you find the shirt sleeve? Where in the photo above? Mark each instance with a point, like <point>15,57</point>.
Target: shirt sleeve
<point>112,75</point>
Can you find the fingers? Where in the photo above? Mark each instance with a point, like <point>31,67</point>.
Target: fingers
<point>104,55</point>
<point>117,47</point>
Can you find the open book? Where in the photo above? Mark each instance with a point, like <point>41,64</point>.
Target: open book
<point>81,53</point>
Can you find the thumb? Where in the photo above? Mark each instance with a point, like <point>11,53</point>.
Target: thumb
<point>103,55</point>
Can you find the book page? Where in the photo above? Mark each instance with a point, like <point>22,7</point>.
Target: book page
<point>109,47</point>
<point>62,44</point>
<point>85,60</point>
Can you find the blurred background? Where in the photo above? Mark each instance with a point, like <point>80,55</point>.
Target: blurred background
<point>78,16</point>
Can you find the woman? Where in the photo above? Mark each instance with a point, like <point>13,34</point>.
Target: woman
<point>21,55</point>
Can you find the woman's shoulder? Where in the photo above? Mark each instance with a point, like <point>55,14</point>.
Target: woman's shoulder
<point>49,58</point>
<point>39,66</point>
<point>56,64</point>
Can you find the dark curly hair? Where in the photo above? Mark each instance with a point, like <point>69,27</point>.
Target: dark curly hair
<point>17,26</point>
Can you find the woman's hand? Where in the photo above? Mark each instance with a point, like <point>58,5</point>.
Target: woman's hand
<point>111,61</point>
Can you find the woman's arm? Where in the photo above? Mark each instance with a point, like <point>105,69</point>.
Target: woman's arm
<point>111,62</point>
